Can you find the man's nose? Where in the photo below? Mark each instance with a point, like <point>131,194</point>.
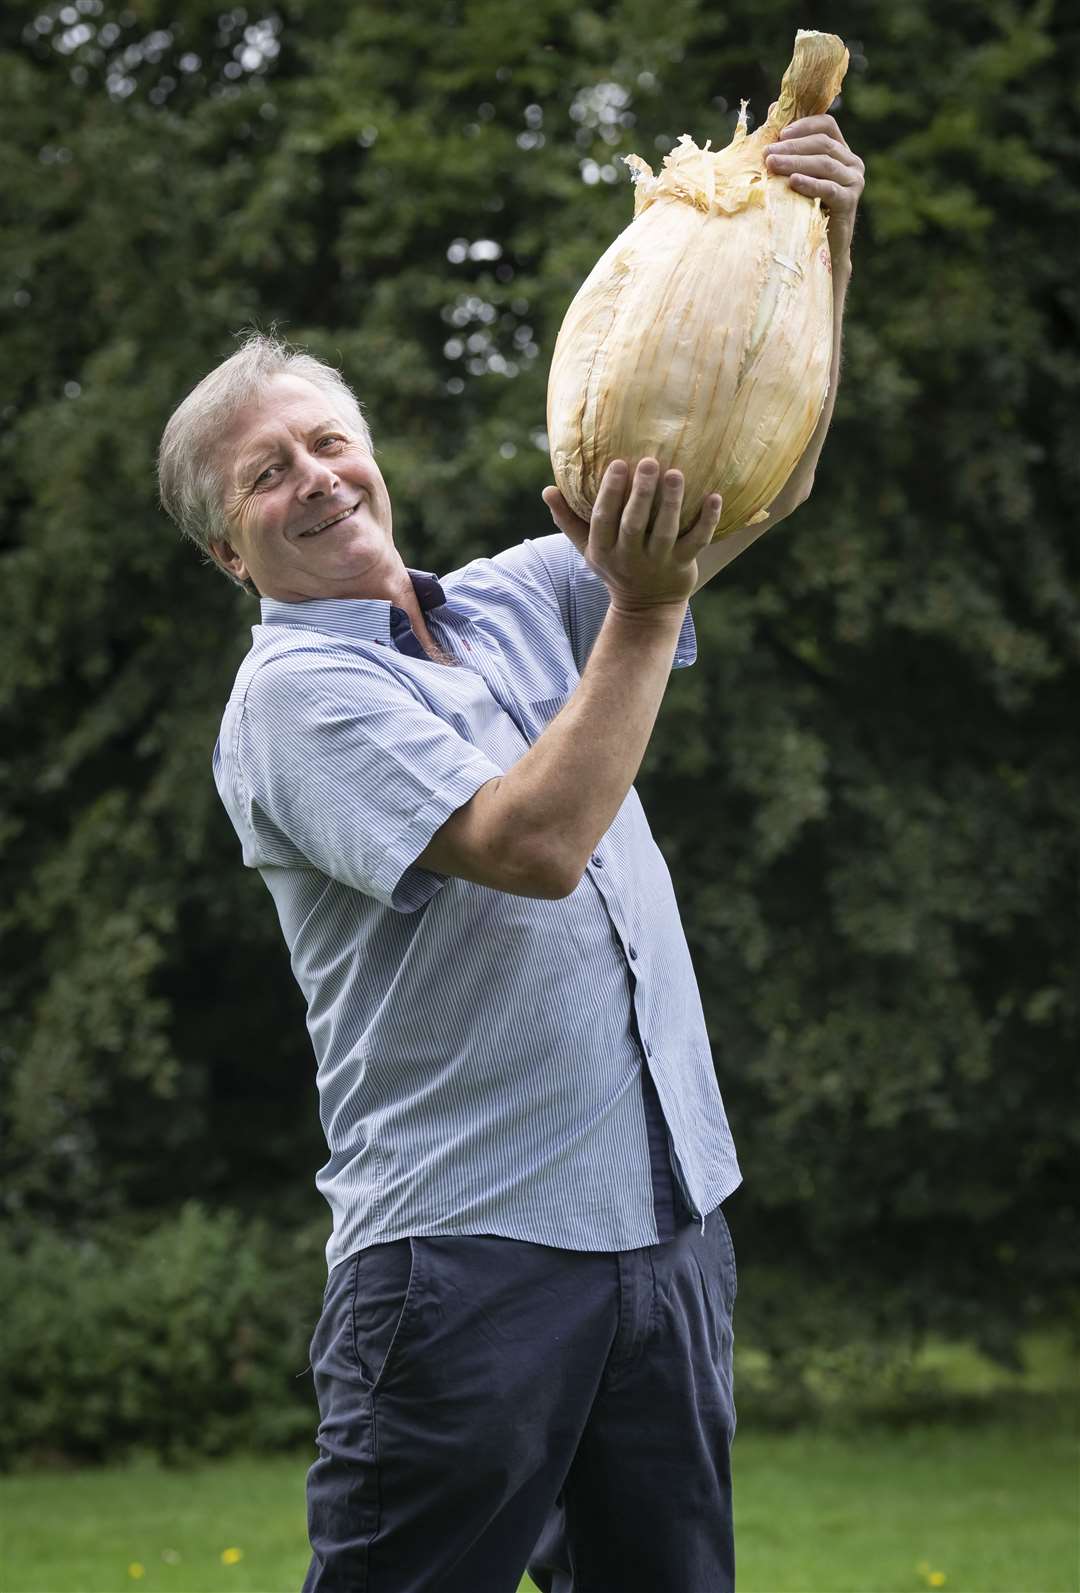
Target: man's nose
<point>317,478</point>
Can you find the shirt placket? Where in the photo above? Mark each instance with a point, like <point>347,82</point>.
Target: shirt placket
<point>644,1041</point>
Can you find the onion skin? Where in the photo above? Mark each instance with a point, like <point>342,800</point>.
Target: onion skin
<point>703,335</point>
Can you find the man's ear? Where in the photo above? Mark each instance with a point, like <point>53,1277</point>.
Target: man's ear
<point>225,554</point>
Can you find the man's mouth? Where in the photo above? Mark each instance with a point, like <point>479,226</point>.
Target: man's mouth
<point>324,525</point>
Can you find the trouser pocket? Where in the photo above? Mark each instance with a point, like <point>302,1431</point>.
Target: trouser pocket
<point>384,1287</point>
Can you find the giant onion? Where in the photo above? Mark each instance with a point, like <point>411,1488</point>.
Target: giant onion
<point>703,335</point>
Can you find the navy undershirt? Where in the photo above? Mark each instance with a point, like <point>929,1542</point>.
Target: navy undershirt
<point>671,1211</point>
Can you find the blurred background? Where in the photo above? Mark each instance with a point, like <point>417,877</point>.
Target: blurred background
<point>867,789</point>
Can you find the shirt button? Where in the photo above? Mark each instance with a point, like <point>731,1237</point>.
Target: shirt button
<point>598,862</point>
<point>633,954</point>
<point>648,1049</point>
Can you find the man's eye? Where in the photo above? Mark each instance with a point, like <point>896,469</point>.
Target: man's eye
<point>260,478</point>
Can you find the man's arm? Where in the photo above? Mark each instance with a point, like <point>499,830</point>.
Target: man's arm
<point>555,805</point>
<point>798,486</point>
<point>814,157</point>
<point>559,800</point>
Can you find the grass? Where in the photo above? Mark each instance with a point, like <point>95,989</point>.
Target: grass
<point>992,1507</point>
<point>990,1510</point>
<point>984,1505</point>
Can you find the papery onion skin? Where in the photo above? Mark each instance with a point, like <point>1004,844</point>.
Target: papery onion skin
<point>703,334</point>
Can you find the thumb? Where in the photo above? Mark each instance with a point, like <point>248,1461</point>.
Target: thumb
<point>565,518</point>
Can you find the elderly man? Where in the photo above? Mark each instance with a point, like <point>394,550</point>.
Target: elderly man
<point>524,1353</point>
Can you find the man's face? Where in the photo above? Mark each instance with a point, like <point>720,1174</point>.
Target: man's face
<point>291,462</point>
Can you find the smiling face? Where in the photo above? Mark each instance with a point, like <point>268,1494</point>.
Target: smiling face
<point>292,462</point>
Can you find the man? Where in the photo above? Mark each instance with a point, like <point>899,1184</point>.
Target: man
<point>524,1354</point>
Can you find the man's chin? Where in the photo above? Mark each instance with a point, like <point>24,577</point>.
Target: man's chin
<point>360,565</point>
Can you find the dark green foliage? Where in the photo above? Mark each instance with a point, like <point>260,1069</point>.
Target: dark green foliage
<point>189,1336</point>
<point>182,1341</point>
<point>868,787</point>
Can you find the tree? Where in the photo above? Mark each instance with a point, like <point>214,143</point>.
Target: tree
<point>866,789</point>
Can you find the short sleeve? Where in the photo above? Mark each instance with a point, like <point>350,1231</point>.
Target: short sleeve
<point>553,564</point>
<point>342,768</point>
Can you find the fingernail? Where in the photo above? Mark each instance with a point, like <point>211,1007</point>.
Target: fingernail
<point>618,468</point>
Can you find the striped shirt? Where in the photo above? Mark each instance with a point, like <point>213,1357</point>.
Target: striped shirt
<point>480,1055</point>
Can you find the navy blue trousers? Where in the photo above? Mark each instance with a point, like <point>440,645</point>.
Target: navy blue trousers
<point>489,1406</point>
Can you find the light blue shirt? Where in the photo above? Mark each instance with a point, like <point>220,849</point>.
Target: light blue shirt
<point>478,1053</point>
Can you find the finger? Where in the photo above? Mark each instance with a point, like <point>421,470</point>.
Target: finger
<point>835,196</point>
<point>701,533</point>
<point>813,124</point>
<point>635,518</point>
<point>564,517</point>
<point>666,525</point>
<point>819,166</point>
<point>604,520</point>
<point>817,145</point>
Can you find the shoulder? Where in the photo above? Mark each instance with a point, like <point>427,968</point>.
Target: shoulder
<point>531,568</point>
<point>301,674</point>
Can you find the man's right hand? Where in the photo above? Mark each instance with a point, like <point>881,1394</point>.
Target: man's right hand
<point>641,568</point>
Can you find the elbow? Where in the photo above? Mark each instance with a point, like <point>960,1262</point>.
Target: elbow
<point>553,877</point>
<point>567,883</point>
<point>532,861</point>
<point>561,880</point>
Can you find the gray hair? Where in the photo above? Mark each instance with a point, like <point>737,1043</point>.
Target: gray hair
<point>189,467</point>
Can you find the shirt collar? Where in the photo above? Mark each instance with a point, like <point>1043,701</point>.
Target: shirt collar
<point>367,619</point>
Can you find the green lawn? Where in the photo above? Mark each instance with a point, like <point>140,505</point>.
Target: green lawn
<point>991,1507</point>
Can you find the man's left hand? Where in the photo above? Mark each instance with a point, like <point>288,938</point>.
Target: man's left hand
<point>813,156</point>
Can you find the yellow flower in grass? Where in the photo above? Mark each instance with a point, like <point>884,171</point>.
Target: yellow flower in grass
<point>937,1579</point>
<point>231,1556</point>
<point>136,1570</point>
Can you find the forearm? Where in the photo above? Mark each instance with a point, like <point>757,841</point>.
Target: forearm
<point>567,789</point>
<point>797,487</point>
